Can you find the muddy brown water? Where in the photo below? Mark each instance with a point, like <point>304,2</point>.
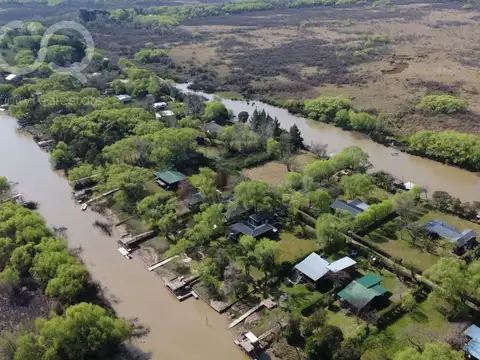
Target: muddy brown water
<point>183,331</point>
<point>430,174</point>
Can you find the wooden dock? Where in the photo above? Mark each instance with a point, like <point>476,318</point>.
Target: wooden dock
<point>161,263</point>
<point>111,192</point>
<point>128,242</point>
<point>268,303</point>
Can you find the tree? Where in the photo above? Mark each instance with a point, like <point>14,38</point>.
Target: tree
<point>294,180</point>
<point>432,351</point>
<point>356,185</point>
<point>442,200</point>
<point>234,282</point>
<point>247,252</point>
<point>296,137</point>
<point>6,248</point>
<point>405,205</point>
<point>205,183</point>
<point>320,170</point>
<point>323,345</point>
<point>209,225</point>
<point>266,252</point>
<point>314,323</point>
<point>9,279</point>
<point>61,158</point>
<point>325,108</point>
<point>195,105</point>
<point>228,136</point>
<point>255,194</point>
<point>329,233</point>
<point>217,112</point>
<point>86,331</point>
<point>69,283</point>
<point>21,258</point>
<point>320,201</point>
<point>445,104</point>
<point>46,264</point>
<point>5,189</point>
<point>243,116</point>
<point>320,150</point>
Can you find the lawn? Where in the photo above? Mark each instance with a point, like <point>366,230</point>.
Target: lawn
<point>293,249</point>
<point>272,173</point>
<point>390,282</point>
<point>211,152</point>
<point>347,322</point>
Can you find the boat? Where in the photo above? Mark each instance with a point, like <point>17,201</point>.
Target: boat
<point>125,253</point>
<point>84,207</point>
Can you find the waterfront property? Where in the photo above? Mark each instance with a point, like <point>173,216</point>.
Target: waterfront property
<point>461,239</point>
<point>362,292</point>
<point>314,267</point>
<point>354,207</point>
<point>169,179</point>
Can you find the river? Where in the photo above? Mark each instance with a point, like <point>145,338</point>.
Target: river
<point>427,173</point>
<point>177,330</point>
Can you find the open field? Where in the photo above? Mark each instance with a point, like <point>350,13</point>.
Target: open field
<point>383,58</point>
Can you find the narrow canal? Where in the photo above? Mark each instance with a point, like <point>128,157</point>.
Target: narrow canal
<point>188,330</point>
<point>430,174</point>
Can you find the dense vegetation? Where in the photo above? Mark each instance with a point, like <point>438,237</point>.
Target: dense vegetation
<point>32,254</point>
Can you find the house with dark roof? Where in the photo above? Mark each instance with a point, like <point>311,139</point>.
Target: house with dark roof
<point>354,207</point>
<point>212,128</point>
<point>169,179</point>
<point>461,239</point>
<point>258,224</point>
<point>361,292</point>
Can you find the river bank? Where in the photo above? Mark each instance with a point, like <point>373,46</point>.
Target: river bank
<point>432,175</point>
<point>177,330</point>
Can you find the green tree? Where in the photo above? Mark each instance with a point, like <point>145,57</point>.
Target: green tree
<point>81,172</point>
<point>6,248</point>
<point>319,170</point>
<point>205,183</point>
<point>228,136</point>
<point>329,230</point>
<point>323,345</point>
<point>217,112</point>
<point>294,180</point>
<point>46,264</point>
<point>296,138</point>
<point>209,225</point>
<point>5,188</point>
<point>243,116</point>
<point>255,195</point>
<point>267,251</point>
<point>59,54</point>
<point>446,104</point>
<point>247,252</point>
<point>356,185</point>
<point>314,323</point>
<point>363,122</point>
<point>21,258</point>
<point>69,283</point>
<point>325,108</point>
<point>432,351</point>
<point>61,158</point>
<point>28,348</point>
<point>320,201</point>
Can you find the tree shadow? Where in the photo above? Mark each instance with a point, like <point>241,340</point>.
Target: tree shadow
<point>377,238</point>
<point>418,315</point>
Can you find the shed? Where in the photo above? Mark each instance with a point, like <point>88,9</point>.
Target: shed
<point>313,266</point>
<point>169,177</point>
<point>359,296</point>
<point>472,348</point>
<point>341,264</point>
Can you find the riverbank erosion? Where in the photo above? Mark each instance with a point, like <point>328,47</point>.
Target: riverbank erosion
<point>177,331</point>
<point>429,174</point>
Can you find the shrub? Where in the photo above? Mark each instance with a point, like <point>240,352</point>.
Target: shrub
<point>442,104</point>
<point>325,108</point>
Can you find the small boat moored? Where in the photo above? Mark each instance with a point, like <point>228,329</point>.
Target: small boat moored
<point>84,207</point>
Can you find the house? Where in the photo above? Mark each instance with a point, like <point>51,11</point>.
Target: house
<point>124,98</point>
<point>464,239</point>
<point>313,267</point>
<point>234,211</point>
<point>361,292</point>
<point>256,225</point>
<point>169,179</point>
<point>354,207</point>
<point>346,264</point>
<point>472,348</point>
<point>159,105</point>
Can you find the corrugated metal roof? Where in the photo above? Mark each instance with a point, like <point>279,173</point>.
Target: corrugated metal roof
<point>473,332</point>
<point>369,280</point>
<point>344,205</point>
<point>313,266</point>
<point>170,176</point>
<point>449,232</point>
<point>341,264</point>
<point>357,295</point>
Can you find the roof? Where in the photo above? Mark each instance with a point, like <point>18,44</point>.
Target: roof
<point>194,199</point>
<point>449,232</point>
<point>10,77</point>
<point>251,337</point>
<point>341,264</point>
<point>167,113</point>
<point>354,207</point>
<point>473,346</point>
<point>212,128</point>
<point>159,105</point>
<point>357,295</point>
<point>262,216</point>
<point>170,176</point>
<point>234,210</point>
<point>313,266</point>
<point>369,280</point>
<point>124,97</point>
<point>246,228</point>
<point>409,185</point>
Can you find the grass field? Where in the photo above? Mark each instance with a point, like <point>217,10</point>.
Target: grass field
<point>293,249</point>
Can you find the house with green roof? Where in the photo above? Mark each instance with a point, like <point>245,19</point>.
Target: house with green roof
<point>361,292</point>
<point>169,178</point>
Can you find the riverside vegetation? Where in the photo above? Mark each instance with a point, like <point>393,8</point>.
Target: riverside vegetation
<point>121,145</point>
